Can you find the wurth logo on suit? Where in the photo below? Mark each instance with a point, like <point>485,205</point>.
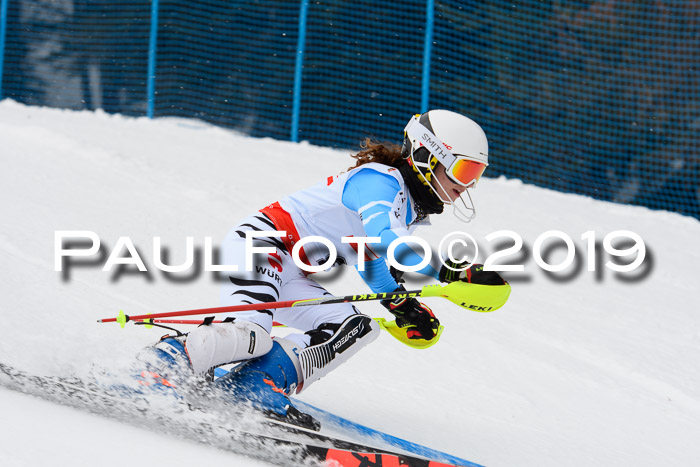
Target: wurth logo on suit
<point>269,273</point>
<point>275,261</point>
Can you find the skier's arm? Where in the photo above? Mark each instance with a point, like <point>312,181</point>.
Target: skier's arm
<point>377,276</point>
<point>374,196</point>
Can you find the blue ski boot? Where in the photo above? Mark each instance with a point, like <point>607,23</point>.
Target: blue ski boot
<point>268,381</point>
<point>164,366</point>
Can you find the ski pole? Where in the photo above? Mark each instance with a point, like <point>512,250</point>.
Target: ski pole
<point>146,322</point>
<point>476,297</point>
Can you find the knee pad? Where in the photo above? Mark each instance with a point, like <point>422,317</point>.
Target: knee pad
<point>350,336</point>
<point>218,344</point>
<point>322,333</point>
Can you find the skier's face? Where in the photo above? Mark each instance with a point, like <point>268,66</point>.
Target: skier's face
<point>446,187</point>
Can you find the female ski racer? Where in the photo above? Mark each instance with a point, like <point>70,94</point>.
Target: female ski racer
<point>386,195</point>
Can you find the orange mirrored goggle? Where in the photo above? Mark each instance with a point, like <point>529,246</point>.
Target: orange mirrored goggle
<point>466,172</point>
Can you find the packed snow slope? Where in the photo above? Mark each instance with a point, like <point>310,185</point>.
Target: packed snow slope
<point>579,368</point>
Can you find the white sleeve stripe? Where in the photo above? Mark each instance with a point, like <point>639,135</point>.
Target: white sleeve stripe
<point>365,221</point>
<point>371,253</point>
<point>374,203</point>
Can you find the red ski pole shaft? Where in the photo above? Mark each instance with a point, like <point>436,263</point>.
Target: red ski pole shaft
<point>184,321</point>
<point>206,311</point>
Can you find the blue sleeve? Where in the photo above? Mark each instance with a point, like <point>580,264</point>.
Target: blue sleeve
<point>372,195</point>
<point>378,277</point>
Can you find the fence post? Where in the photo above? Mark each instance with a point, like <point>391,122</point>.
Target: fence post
<point>3,28</point>
<point>151,86</point>
<point>301,42</point>
<point>427,49</point>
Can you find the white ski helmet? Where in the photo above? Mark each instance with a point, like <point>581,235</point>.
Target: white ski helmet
<point>454,141</point>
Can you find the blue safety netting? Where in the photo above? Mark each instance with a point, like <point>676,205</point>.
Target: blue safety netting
<point>600,98</point>
<point>228,62</point>
<point>81,54</point>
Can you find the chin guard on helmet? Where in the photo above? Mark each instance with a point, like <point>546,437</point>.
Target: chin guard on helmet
<point>464,159</point>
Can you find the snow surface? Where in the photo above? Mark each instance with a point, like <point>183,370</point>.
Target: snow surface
<point>593,370</point>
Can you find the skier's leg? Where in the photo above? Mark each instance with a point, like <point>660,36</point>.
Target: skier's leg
<point>333,334</point>
<point>248,335</point>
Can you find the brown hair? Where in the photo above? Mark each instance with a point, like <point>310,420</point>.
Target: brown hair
<point>374,151</point>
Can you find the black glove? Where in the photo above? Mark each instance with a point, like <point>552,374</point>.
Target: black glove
<point>419,320</point>
<point>475,274</point>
